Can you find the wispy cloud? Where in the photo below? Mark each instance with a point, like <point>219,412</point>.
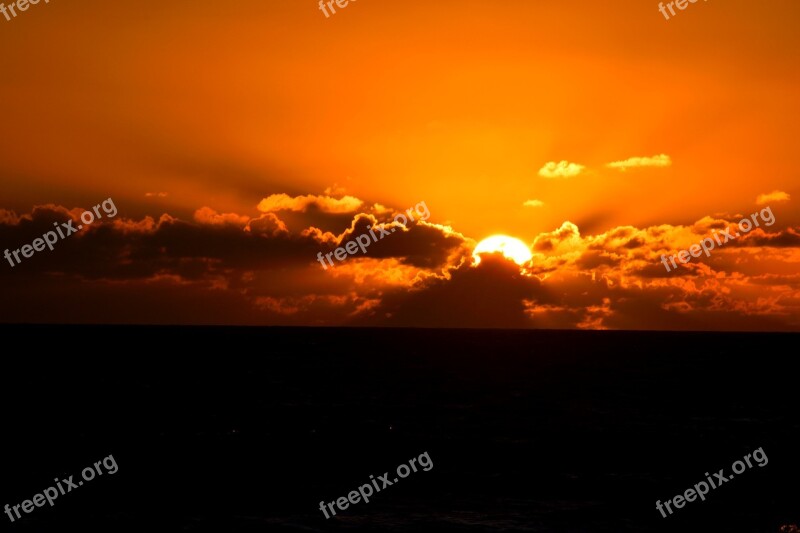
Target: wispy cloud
<point>335,190</point>
<point>774,196</point>
<point>661,160</point>
<point>533,203</point>
<point>326,204</point>
<point>563,169</point>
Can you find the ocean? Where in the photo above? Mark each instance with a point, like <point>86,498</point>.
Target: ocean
<point>249,429</point>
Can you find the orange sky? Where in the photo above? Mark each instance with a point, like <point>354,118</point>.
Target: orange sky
<point>457,104</point>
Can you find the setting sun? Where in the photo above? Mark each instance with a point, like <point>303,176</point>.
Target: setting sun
<point>512,248</point>
<point>472,244</point>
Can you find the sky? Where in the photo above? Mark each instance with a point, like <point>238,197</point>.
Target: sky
<point>237,142</point>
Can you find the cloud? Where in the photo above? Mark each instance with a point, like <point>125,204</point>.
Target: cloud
<point>567,235</point>
<point>206,215</point>
<point>8,217</point>
<point>156,195</point>
<point>457,301</point>
<point>422,244</point>
<point>335,190</point>
<point>533,203</point>
<point>256,270</point>
<point>563,169</point>
<point>659,161</point>
<point>326,204</point>
<point>266,269</point>
<point>774,196</point>
<point>267,225</point>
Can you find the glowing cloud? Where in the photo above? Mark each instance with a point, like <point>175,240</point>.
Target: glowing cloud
<point>662,160</point>
<point>563,169</point>
<point>774,196</point>
<point>326,204</point>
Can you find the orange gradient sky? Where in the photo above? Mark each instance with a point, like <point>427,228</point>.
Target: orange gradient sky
<point>169,108</point>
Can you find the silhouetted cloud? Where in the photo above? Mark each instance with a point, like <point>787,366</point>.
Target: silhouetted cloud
<point>256,269</point>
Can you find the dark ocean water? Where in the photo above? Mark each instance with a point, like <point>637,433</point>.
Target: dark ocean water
<point>248,429</point>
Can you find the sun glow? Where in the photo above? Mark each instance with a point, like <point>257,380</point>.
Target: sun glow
<point>512,248</point>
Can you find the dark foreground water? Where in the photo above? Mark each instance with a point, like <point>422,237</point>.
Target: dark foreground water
<point>228,430</point>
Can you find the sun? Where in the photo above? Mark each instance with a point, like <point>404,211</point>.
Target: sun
<point>512,248</point>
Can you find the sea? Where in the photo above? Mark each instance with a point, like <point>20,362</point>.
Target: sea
<point>225,429</point>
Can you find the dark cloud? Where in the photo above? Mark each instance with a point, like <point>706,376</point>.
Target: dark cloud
<point>490,295</point>
<point>228,268</point>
